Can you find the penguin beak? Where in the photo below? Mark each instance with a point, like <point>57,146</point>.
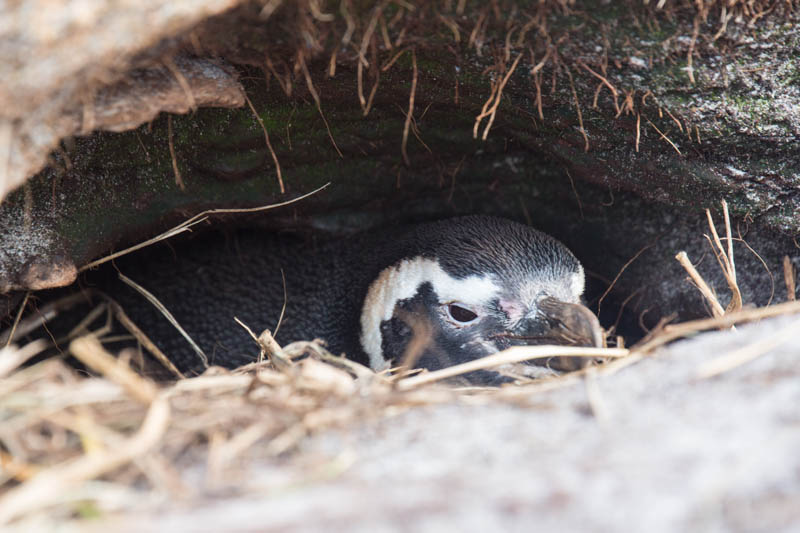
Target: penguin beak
<point>571,324</point>
<point>562,323</point>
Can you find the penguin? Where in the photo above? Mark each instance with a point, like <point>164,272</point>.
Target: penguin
<point>432,294</point>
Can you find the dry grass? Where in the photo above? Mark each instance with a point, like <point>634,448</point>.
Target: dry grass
<point>724,255</point>
<point>61,430</point>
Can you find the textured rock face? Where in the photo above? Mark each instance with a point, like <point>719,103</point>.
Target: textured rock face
<point>55,55</point>
<point>613,130</point>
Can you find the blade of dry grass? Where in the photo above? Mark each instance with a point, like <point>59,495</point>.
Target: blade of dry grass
<point>18,317</point>
<point>12,357</point>
<point>725,258</point>
<point>700,283</point>
<point>684,329</point>
<point>164,311</point>
<point>39,317</point>
<point>515,354</point>
<point>200,217</point>
<point>144,340</point>
<point>49,486</point>
<point>89,350</point>
<point>726,263</point>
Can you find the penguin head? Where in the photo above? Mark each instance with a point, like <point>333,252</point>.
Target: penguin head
<point>469,287</point>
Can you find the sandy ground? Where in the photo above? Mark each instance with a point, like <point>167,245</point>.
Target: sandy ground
<point>649,448</point>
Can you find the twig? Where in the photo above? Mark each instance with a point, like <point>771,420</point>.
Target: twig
<point>421,338</point>
<point>387,41</point>
<point>286,440</point>
<point>473,36</point>
<point>499,96</point>
<point>332,64</point>
<point>540,65</point>
<point>19,470</point>
<point>269,347</point>
<point>269,144</point>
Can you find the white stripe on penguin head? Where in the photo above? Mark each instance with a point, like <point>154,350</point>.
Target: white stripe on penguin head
<point>402,281</point>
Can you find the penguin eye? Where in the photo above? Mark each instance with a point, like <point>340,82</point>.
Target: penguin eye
<point>461,314</point>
